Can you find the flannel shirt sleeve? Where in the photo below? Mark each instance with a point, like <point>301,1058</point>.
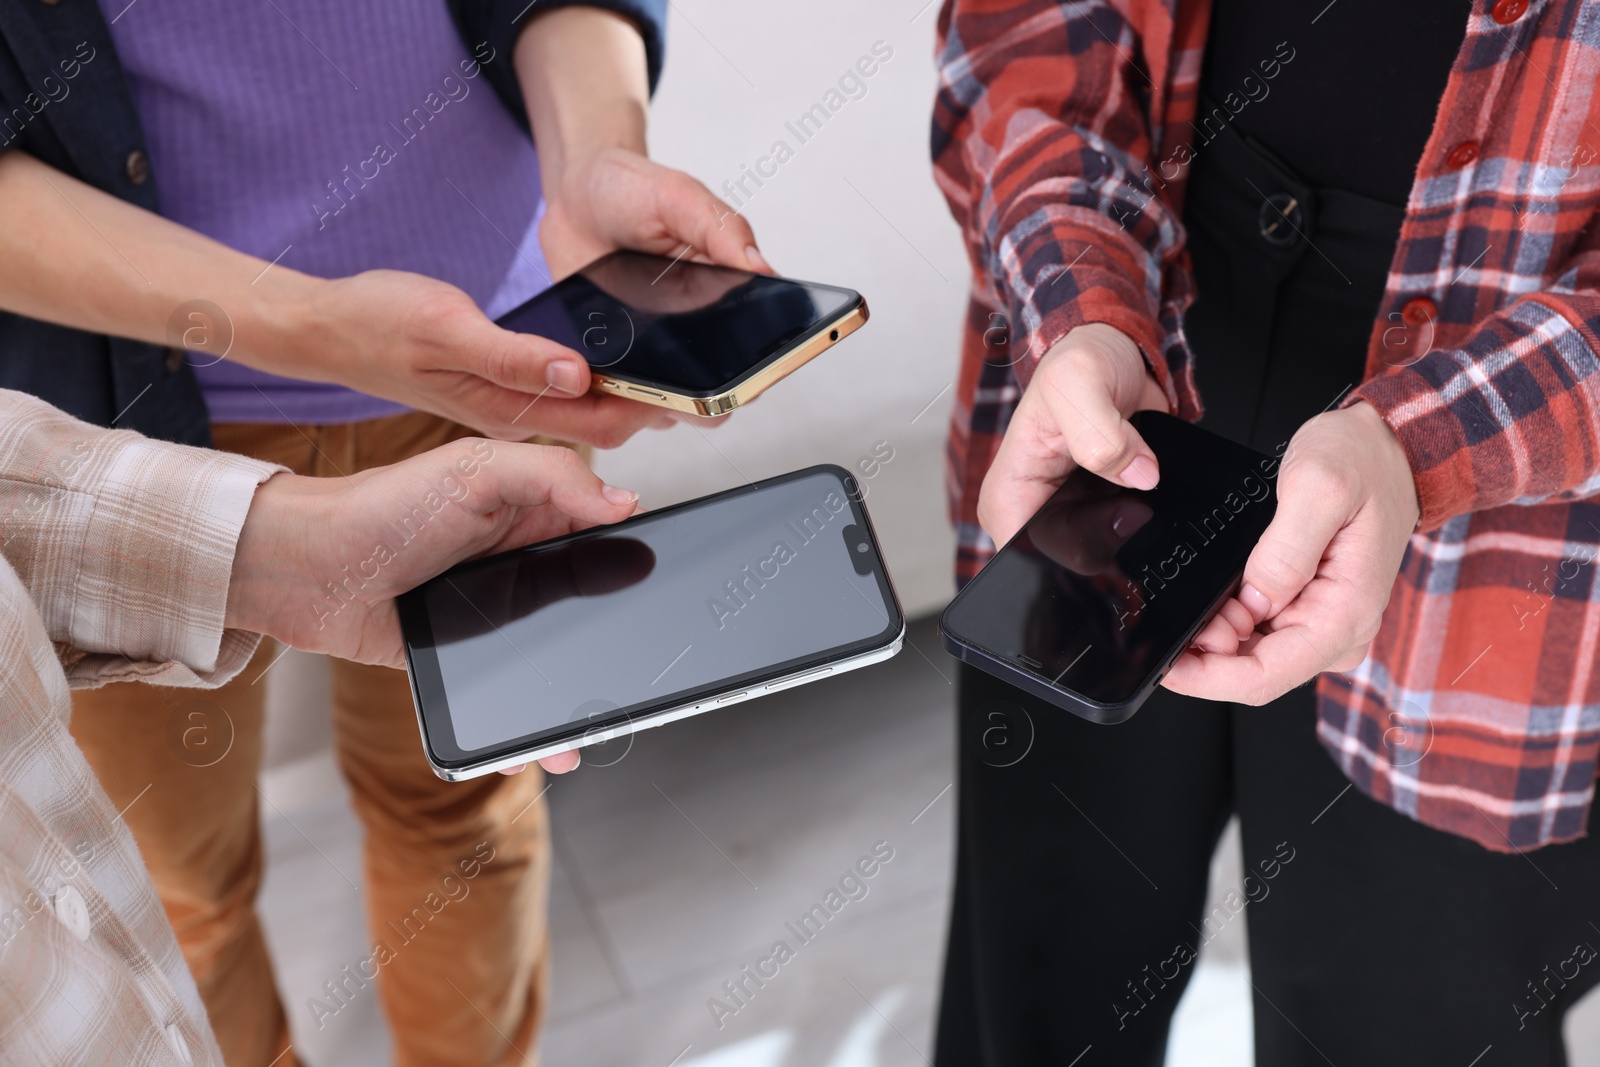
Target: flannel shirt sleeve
<point>1042,148</point>
<point>125,545</point>
<point>1512,415</point>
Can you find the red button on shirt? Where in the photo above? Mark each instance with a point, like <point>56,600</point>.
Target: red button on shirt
<point>1462,154</point>
<point>1419,312</point>
<point>1509,11</point>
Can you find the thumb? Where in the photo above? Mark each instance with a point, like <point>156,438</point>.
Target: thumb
<point>1286,558</point>
<point>529,476</point>
<point>1097,435</point>
<point>528,363</point>
<point>699,218</point>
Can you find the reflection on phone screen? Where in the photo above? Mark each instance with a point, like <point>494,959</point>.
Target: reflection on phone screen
<point>688,327</point>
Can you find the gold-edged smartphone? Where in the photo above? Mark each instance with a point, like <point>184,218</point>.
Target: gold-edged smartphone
<point>689,336</point>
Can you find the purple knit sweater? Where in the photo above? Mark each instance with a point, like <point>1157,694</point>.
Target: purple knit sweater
<point>331,138</point>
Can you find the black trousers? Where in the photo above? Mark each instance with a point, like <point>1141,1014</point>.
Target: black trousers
<point>1083,851</point>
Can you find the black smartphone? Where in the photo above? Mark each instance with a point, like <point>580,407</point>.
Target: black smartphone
<point>1096,597</point>
<point>688,336</point>
<point>594,636</point>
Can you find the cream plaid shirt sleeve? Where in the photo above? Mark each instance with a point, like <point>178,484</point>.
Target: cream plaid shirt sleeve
<point>116,552</point>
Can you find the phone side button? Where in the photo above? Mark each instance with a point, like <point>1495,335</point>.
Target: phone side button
<point>731,697</point>
<point>647,392</point>
<point>808,676</point>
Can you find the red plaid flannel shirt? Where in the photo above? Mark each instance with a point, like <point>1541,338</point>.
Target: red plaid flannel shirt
<point>1061,133</point>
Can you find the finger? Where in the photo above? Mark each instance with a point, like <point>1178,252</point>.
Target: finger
<point>561,762</point>
<point>1217,636</point>
<point>1099,439</point>
<point>1238,618</point>
<point>518,769</point>
<point>1261,671</point>
<point>523,475</point>
<point>593,419</point>
<point>526,362</point>
<point>1027,470</point>
<point>699,218</point>
<point>1286,558</point>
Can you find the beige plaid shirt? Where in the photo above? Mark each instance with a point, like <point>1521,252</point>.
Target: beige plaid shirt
<point>116,556</point>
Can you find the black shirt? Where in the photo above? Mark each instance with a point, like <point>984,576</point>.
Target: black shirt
<point>1344,93</point>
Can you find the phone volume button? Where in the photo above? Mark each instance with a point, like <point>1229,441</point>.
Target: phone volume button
<point>731,697</point>
<point>647,392</point>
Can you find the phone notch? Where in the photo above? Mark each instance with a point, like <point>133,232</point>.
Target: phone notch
<point>859,543</point>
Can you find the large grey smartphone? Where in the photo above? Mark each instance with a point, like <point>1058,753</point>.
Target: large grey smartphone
<point>594,636</point>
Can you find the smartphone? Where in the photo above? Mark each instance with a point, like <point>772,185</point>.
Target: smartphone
<point>594,636</point>
<point>695,338</point>
<point>1094,599</point>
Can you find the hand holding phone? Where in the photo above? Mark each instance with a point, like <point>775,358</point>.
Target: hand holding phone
<point>1317,584</point>
<point>688,336</point>
<point>1106,586</point>
<point>1074,413</point>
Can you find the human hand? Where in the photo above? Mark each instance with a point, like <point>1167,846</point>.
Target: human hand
<point>1074,413</point>
<point>1317,583</point>
<point>425,343</point>
<point>615,197</point>
<point>306,536</point>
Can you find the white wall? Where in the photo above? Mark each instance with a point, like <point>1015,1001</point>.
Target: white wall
<point>854,206</point>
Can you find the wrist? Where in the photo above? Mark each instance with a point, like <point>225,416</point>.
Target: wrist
<point>287,325</point>
<point>1393,461</point>
<point>270,561</point>
<point>583,77</point>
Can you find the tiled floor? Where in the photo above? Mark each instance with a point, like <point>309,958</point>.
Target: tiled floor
<point>682,862</point>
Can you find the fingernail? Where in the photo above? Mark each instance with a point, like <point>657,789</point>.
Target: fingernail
<point>1141,473</point>
<point>1254,601</point>
<point>753,255</point>
<point>619,496</point>
<point>564,377</point>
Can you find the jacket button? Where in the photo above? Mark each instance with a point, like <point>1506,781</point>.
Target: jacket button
<point>1281,220</point>
<point>138,167</point>
<point>1419,312</point>
<point>1462,154</point>
<point>1508,11</point>
<point>174,360</point>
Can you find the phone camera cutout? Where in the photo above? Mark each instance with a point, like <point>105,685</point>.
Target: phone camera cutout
<point>860,547</point>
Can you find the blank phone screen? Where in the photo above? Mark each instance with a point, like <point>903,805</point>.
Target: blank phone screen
<point>1102,587</point>
<point>687,327</point>
<point>654,612</point>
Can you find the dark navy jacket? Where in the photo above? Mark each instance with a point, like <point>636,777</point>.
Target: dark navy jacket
<point>63,99</point>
